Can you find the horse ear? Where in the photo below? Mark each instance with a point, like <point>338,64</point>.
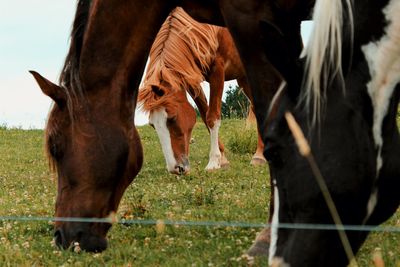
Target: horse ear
<point>50,89</point>
<point>158,90</point>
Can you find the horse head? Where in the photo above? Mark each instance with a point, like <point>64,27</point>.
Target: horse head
<point>173,118</point>
<point>95,151</point>
<point>353,137</point>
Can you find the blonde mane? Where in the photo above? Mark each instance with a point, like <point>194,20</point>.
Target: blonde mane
<point>324,51</point>
<point>180,56</point>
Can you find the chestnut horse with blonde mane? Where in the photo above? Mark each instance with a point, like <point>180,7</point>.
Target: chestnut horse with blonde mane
<point>184,54</point>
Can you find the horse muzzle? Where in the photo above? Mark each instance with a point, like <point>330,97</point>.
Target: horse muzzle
<point>182,168</point>
<point>79,236</point>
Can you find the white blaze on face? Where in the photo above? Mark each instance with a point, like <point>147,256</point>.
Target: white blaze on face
<point>274,226</point>
<point>215,154</point>
<point>159,120</point>
<point>383,57</point>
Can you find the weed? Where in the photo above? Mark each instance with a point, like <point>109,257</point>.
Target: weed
<point>243,140</point>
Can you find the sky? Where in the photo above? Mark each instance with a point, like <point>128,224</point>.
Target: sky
<point>34,35</point>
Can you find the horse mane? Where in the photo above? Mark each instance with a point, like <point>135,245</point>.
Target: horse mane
<point>181,53</point>
<point>69,78</point>
<point>324,52</point>
<point>151,101</point>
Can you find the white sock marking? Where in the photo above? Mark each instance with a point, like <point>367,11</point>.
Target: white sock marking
<point>215,154</point>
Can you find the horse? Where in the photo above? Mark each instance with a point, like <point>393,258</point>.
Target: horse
<point>91,141</point>
<point>347,109</point>
<point>184,54</point>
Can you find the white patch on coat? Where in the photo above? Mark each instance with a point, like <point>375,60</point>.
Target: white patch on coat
<point>227,64</point>
<point>215,154</point>
<point>158,118</point>
<point>274,226</point>
<point>383,57</point>
<point>373,199</point>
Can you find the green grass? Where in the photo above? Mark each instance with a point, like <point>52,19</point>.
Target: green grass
<point>239,193</point>
<point>243,140</point>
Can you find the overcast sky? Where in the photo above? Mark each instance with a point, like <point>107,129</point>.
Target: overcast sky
<point>34,35</point>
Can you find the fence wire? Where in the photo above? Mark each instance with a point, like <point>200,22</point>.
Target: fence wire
<point>215,224</point>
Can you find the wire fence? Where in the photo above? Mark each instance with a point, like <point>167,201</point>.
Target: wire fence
<point>215,224</point>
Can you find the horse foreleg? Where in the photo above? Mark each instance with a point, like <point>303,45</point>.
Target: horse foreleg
<point>260,246</point>
<point>258,157</point>
<point>216,79</point>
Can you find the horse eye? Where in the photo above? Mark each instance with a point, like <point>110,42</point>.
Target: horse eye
<point>55,149</point>
<point>152,125</point>
<point>171,120</point>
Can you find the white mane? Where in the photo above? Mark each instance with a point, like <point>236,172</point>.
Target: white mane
<point>324,51</point>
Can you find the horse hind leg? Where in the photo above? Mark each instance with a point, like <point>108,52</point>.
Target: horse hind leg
<point>258,158</point>
<point>260,246</point>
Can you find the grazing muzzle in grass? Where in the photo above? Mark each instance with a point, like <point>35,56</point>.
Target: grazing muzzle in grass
<point>80,236</point>
<point>95,152</point>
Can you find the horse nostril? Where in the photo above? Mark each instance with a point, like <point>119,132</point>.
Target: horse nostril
<point>79,235</point>
<point>59,238</point>
<point>181,169</point>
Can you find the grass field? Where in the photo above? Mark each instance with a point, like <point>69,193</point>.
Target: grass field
<point>239,193</point>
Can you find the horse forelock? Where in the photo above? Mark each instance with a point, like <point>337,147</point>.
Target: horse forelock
<point>149,101</point>
<point>52,127</point>
<point>324,52</point>
<point>182,52</point>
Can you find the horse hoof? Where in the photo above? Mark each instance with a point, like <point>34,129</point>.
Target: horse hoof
<point>217,163</point>
<point>212,166</point>
<point>224,161</point>
<point>260,247</point>
<point>258,161</point>
<point>225,164</point>
<point>211,169</point>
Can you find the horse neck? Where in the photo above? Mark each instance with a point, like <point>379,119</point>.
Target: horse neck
<point>121,67</point>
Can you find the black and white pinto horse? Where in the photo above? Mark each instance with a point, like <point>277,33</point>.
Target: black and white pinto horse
<point>347,109</point>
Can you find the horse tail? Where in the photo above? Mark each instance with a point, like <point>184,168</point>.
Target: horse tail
<point>324,51</point>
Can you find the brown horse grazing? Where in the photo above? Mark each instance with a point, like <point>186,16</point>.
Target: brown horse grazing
<point>184,54</point>
<point>91,138</point>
